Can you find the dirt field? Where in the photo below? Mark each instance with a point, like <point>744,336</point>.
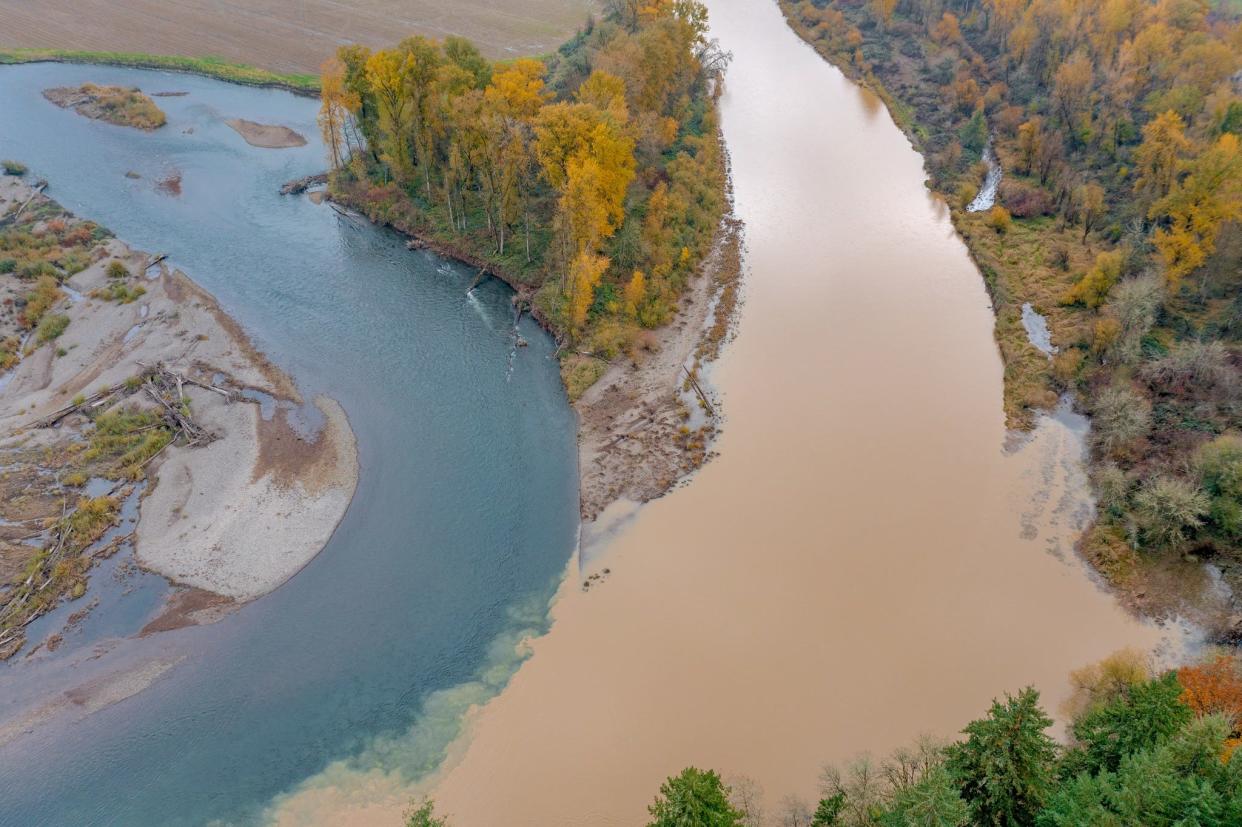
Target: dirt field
<point>284,35</point>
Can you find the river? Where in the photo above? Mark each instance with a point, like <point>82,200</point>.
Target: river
<point>865,561</point>
<point>465,513</point>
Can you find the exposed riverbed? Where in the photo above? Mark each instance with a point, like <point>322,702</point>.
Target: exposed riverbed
<point>864,561</point>
<point>464,517</point>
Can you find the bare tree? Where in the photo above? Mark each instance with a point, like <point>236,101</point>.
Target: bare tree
<point>746,796</point>
<point>794,812</point>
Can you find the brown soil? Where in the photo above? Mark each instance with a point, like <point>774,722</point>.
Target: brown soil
<point>291,458</point>
<point>634,441</point>
<point>283,37</point>
<point>268,136</point>
<point>189,607</point>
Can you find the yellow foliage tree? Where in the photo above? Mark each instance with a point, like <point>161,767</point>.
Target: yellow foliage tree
<point>584,275</point>
<point>518,91</point>
<point>1159,156</point>
<point>635,292</point>
<point>387,72</point>
<point>1196,209</point>
<point>337,103</point>
<point>1093,289</point>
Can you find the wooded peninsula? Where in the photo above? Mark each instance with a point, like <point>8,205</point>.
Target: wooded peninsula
<point>592,181</point>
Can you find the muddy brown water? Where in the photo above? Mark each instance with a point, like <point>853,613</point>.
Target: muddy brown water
<point>865,560</point>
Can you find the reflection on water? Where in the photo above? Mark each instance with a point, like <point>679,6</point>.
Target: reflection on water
<point>464,518</point>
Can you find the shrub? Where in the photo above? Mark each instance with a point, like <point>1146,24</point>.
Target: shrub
<point>1094,286</point>
<point>1066,365</point>
<point>1119,416</point>
<point>8,265</point>
<point>1024,201</point>
<point>52,326</point>
<point>13,168</point>
<point>1134,305</point>
<point>999,220</point>
<point>40,300</point>
<point>1192,367</point>
<point>1219,464</point>
<point>1169,510</point>
<point>1060,259</point>
<point>117,270</point>
<point>1112,489</point>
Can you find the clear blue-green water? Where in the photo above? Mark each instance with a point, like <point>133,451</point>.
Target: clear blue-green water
<point>464,518</point>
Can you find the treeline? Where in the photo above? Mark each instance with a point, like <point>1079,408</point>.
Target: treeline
<point>594,177</point>
<point>1157,750</point>
<point>1117,125</point>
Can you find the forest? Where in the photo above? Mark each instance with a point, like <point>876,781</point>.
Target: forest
<point>592,181</point>
<point>1117,126</point>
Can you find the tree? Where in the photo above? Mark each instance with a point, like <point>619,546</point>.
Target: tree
<point>1090,206</point>
<point>1139,717</point>
<point>584,275</point>
<point>1071,85</point>
<point>1103,682</point>
<point>933,801</point>
<point>1004,768</point>
<point>1159,157</point>
<point>386,75</point>
<point>635,293</point>
<point>518,91</point>
<point>695,798</point>
<point>1093,288</point>
<point>1195,209</point>
<point>338,104</point>
<point>424,815</point>
<point>828,811</point>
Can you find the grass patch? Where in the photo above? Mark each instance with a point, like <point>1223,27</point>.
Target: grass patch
<point>51,327</point>
<point>120,292</point>
<point>208,66</point>
<point>123,441</point>
<point>579,373</point>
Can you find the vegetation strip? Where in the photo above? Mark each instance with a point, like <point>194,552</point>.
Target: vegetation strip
<point>208,66</point>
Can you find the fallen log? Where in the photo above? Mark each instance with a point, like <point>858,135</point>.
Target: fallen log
<point>38,189</point>
<point>301,185</point>
<point>702,396</point>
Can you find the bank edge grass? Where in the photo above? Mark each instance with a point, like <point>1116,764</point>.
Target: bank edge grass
<point>213,67</point>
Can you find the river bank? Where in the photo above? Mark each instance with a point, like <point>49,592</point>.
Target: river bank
<point>236,504</point>
<point>635,440</point>
<point>1070,240</point>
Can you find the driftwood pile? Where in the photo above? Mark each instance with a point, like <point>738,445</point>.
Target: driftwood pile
<point>300,185</point>
<point>162,385</point>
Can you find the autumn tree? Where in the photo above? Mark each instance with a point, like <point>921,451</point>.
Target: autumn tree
<point>1193,211</point>
<point>337,107</point>
<point>1159,157</point>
